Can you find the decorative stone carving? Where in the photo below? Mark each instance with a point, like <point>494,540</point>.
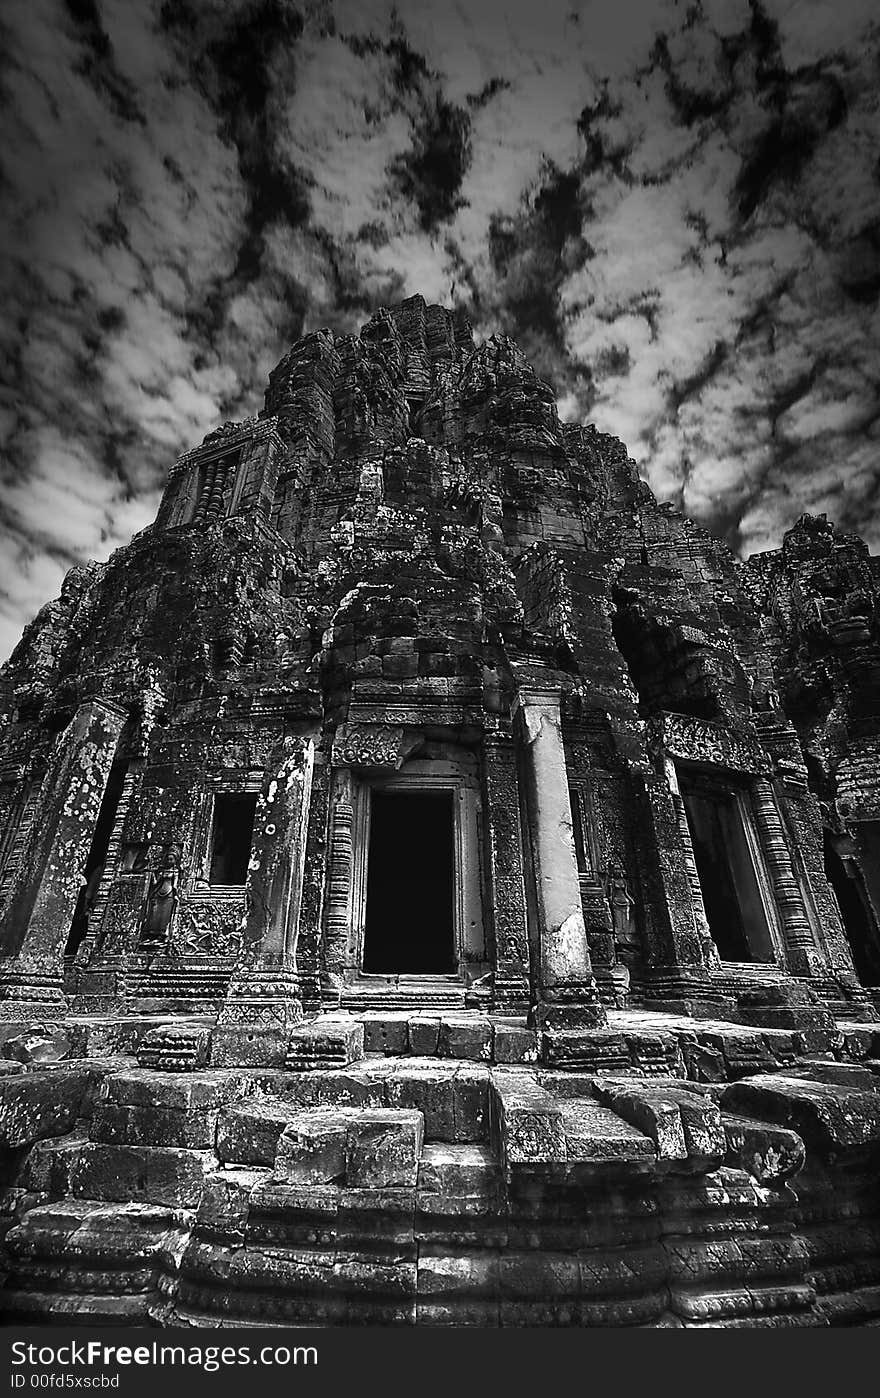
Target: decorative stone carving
<point>803,956</point>
<point>699,740</point>
<point>371,745</point>
<point>505,874</point>
<point>162,897</point>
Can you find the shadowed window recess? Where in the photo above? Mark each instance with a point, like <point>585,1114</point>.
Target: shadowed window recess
<point>410,885</point>
<point>232,834</point>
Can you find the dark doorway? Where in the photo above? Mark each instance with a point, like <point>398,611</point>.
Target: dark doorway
<point>410,876</point>
<point>231,836</point>
<point>97,858</point>
<point>856,914</point>
<point>731,896</point>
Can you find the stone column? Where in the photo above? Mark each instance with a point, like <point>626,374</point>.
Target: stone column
<point>340,879</point>
<point>263,1002</point>
<point>567,995</point>
<point>804,958</point>
<point>308,952</point>
<point>38,913</point>
<point>504,874</point>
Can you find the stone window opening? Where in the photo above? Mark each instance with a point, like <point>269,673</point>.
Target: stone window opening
<point>582,828</point>
<point>212,483</point>
<point>232,833</point>
<point>727,862</point>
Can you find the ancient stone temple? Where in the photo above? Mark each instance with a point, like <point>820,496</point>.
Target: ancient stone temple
<point>441,885</point>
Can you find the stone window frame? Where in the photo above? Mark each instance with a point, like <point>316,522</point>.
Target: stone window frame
<point>738,784</point>
<point>200,885</point>
<point>468,923</point>
<point>194,473</point>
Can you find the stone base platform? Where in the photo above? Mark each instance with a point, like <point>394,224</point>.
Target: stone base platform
<point>443,1169</point>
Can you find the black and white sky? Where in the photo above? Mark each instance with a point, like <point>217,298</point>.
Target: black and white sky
<point>673,207</point>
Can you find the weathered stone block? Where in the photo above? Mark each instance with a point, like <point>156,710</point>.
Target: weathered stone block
<point>598,1137</point>
<point>768,1153</point>
<point>325,1042</point>
<point>593,1050</point>
<point>50,1164</point>
<point>175,1048</point>
<point>141,1087</point>
<point>654,1113</point>
<point>463,1170</point>
<point>383,1149</point>
<point>225,1200</point>
<point>426,1086</point>
<point>514,1044</point>
<point>470,1104</point>
<point>117,1125</point>
<point>830,1116</point>
<point>424,1035</point>
<point>386,1034</point>
<point>529,1121</point>
<point>704,1064</point>
<point>40,1043</point>
<point>312,1148</point>
<point>465,1038</point>
<point>140,1174</point>
<point>248,1134</point>
<point>37,1104</point>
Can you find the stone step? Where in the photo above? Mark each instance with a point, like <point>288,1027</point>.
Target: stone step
<point>461,1170</point>
<point>407,995</point>
<point>598,1137</point>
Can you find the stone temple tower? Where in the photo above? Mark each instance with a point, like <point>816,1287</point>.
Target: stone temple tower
<point>414,722</point>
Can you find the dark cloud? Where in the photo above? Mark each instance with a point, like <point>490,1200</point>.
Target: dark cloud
<point>432,171</point>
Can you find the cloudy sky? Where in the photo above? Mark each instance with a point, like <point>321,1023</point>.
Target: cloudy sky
<point>674,207</point>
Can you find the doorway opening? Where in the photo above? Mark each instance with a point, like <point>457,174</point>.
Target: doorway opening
<point>232,834</point>
<point>98,852</point>
<point>859,923</point>
<point>410,923</point>
<point>731,893</point>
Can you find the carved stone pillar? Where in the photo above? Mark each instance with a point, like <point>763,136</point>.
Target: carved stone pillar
<point>38,913</point>
<point>263,1002</point>
<point>504,874</point>
<point>566,994</point>
<point>314,883</point>
<point>803,956</point>
<point>340,878</point>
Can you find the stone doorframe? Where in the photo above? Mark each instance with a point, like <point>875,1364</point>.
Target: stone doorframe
<point>470,946</point>
<point>739,788</point>
<point>740,759</point>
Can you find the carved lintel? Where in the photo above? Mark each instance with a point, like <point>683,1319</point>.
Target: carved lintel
<point>372,745</point>
<point>699,740</point>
